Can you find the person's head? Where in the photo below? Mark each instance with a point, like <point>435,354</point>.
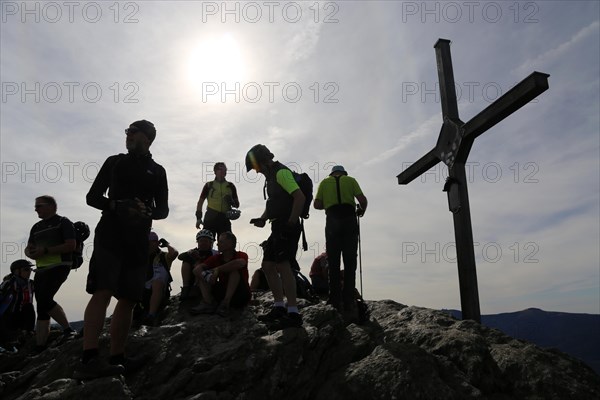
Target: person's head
<point>152,242</point>
<point>140,136</point>
<point>338,170</point>
<point>45,206</point>
<point>21,268</point>
<point>205,240</point>
<point>220,170</point>
<point>227,242</point>
<point>258,158</point>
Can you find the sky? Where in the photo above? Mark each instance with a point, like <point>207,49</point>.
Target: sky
<point>321,83</point>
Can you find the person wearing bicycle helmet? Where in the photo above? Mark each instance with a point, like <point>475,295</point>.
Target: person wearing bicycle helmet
<point>204,249</point>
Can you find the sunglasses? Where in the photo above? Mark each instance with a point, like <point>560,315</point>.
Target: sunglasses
<point>40,205</point>
<point>131,130</point>
<point>26,269</point>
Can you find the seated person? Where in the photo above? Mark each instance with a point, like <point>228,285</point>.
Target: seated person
<point>157,286</point>
<point>319,274</point>
<point>259,283</point>
<point>204,249</point>
<point>223,279</point>
<point>16,304</point>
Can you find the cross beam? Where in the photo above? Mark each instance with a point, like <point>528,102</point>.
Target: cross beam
<point>453,146</point>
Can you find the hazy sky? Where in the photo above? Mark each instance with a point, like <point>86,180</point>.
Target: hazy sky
<point>321,83</point>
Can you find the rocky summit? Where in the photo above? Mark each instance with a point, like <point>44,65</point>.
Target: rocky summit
<point>402,352</point>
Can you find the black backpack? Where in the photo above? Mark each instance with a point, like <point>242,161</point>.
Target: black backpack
<point>82,232</point>
<point>304,289</point>
<point>306,186</point>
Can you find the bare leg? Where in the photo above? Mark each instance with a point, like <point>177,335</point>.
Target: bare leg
<point>120,325</point>
<point>289,282</point>
<point>186,274</point>
<point>232,283</point>
<point>42,329</point>
<point>93,318</point>
<point>58,314</point>
<point>274,280</point>
<point>158,290</point>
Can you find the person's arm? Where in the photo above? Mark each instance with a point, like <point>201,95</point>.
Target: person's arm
<point>240,262</point>
<point>172,254</point>
<point>362,201</point>
<point>200,204</point>
<point>318,204</point>
<point>161,197</point>
<point>235,202</point>
<point>298,204</point>
<point>96,195</point>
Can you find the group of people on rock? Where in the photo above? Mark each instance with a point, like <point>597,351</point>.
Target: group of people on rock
<point>128,261</point>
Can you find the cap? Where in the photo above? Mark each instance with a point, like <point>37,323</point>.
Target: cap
<point>146,127</point>
<point>338,168</point>
<point>152,236</point>
<point>20,264</point>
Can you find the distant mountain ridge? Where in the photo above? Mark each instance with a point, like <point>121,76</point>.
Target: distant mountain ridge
<point>573,333</point>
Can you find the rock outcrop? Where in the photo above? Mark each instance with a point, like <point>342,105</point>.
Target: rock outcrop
<point>401,353</point>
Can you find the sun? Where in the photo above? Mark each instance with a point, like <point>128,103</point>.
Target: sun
<point>216,60</point>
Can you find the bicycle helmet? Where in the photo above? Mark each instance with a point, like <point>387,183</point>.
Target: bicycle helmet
<point>205,233</point>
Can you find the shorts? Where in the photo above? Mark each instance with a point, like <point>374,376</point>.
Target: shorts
<point>160,274</point>
<point>216,222</point>
<point>282,245</point>
<point>47,281</point>
<point>119,261</point>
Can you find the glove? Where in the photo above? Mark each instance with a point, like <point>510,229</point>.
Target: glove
<point>360,211</point>
<point>163,243</point>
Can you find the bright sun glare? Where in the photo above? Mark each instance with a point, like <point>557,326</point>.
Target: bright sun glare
<point>218,60</point>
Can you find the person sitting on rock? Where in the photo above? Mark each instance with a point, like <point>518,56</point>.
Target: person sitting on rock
<point>157,286</point>
<point>223,279</point>
<point>16,304</point>
<point>204,239</point>
<point>319,274</point>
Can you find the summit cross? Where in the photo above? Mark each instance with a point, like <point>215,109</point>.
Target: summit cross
<point>453,146</point>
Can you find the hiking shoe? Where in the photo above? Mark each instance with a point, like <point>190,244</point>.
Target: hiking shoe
<point>97,368</point>
<point>150,320</point>
<point>189,293</point>
<point>223,310</point>
<point>291,320</point>
<point>203,308</point>
<point>275,314</point>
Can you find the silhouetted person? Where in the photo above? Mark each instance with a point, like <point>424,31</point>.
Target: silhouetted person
<point>137,194</point>
<point>336,195</point>
<point>51,244</point>
<point>284,206</point>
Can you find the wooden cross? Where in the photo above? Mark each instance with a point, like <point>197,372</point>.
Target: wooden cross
<point>452,148</point>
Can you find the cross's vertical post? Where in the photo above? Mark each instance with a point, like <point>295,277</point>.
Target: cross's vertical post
<point>465,251</point>
<point>452,148</point>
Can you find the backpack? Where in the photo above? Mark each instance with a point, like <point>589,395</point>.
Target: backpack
<point>304,289</point>
<point>363,309</point>
<point>306,186</point>
<point>82,232</point>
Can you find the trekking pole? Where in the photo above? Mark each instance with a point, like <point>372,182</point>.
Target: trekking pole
<point>359,253</point>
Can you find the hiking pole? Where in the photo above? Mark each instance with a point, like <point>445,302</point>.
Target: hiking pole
<point>359,250</point>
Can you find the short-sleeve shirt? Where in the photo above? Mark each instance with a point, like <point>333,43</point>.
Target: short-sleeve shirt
<point>217,260</point>
<point>328,194</point>
<point>51,232</point>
